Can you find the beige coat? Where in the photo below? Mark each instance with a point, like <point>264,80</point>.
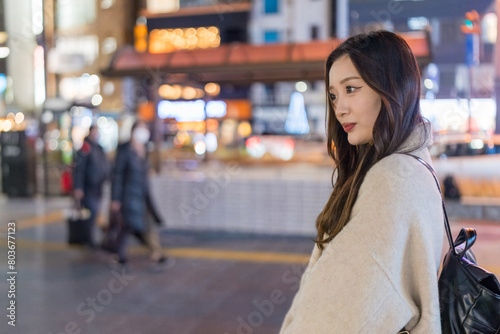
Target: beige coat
<point>379,274</point>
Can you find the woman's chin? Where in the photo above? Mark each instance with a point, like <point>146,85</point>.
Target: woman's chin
<point>356,141</point>
<point>353,140</point>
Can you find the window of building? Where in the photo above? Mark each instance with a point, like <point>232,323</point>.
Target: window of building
<point>107,4</point>
<point>234,34</point>
<point>109,45</point>
<point>450,31</point>
<point>162,6</point>
<point>314,32</point>
<point>271,36</point>
<point>79,50</point>
<point>75,13</point>
<point>271,6</point>
<point>270,93</point>
<point>489,28</point>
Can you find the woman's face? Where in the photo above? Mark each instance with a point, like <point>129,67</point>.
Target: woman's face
<point>356,104</point>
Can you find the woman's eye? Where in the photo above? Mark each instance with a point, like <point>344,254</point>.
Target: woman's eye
<point>350,89</point>
<point>332,97</point>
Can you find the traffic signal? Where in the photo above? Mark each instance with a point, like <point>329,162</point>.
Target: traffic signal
<point>141,35</point>
<point>471,24</point>
<point>472,29</point>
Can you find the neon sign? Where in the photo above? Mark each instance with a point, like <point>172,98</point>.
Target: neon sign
<point>191,111</point>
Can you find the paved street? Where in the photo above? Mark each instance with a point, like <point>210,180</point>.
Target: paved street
<point>213,283</point>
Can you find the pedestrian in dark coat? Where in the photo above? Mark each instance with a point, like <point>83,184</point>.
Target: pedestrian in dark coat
<point>90,172</point>
<point>131,195</point>
<point>451,190</point>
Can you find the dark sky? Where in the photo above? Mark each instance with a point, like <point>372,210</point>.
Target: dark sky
<point>371,10</point>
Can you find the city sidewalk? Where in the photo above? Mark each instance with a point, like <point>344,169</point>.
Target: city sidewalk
<point>213,283</point>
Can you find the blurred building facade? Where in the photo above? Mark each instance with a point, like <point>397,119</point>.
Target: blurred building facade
<point>261,58</point>
<point>79,42</point>
<point>463,62</point>
<point>21,94</point>
<point>289,22</point>
<point>207,75</point>
<point>222,78</point>
<point>259,61</point>
<point>195,114</point>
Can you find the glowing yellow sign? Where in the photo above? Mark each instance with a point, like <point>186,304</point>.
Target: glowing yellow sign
<point>168,40</point>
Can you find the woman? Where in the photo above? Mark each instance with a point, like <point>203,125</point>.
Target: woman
<point>379,238</point>
<point>131,196</point>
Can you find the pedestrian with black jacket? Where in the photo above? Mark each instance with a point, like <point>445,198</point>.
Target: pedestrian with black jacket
<point>131,196</point>
<point>91,169</point>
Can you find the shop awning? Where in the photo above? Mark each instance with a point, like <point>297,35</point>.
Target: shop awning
<point>242,63</point>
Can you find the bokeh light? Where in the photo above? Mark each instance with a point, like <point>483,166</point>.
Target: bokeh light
<point>212,89</point>
<point>301,86</point>
<point>168,40</point>
<point>7,125</point>
<point>200,147</point>
<point>211,141</point>
<point>244,129</point>
<point>86,122</point>
<point>19,118</point>
<point>53,144</point>
<point>255,147</point>
<point>96,100</point>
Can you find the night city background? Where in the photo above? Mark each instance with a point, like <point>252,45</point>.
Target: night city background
<point>233,94</point>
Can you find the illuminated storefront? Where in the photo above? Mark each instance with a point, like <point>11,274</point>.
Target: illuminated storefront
<point>452,115</point>
<point>204,127</point>
<point>205,105</point>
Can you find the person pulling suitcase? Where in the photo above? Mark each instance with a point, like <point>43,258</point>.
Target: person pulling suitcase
<point>91,170</point>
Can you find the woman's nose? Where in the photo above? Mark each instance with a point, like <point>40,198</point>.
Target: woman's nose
<point>341,108</point>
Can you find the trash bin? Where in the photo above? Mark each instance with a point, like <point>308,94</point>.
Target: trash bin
<point>16,180</point>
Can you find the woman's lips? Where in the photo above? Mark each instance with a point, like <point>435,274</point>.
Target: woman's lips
<point>348,126</point>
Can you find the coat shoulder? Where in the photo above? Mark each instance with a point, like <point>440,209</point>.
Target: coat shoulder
<point>402,170</point>
<point>401,184</point>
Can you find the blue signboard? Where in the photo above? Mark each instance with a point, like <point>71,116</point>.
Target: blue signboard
<point>471,50</point>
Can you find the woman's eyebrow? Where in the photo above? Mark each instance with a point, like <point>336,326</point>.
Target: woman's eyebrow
<point>345,80</point>
<point>349,78</point>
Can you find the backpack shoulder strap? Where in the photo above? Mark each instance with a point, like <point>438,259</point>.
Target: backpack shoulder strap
<point>433,172</point>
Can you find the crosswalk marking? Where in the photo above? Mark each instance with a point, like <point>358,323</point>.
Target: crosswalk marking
<point>53,217</point>
<point>50,218</point>
<point>38,220</point>
<point>198,253</point>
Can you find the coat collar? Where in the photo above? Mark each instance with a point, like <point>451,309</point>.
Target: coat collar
<point>420,138</point>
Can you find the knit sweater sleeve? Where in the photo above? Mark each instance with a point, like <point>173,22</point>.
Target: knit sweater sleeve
<point>379,274</point>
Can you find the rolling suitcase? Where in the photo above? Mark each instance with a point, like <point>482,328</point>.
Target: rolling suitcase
<point>79,225</point>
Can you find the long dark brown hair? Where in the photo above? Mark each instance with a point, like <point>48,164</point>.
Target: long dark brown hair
<point>385,62</point>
